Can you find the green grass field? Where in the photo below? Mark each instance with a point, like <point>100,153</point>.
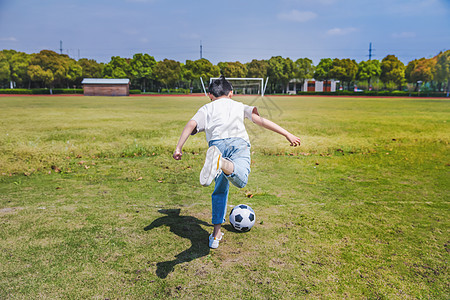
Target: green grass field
<point>93,206</point>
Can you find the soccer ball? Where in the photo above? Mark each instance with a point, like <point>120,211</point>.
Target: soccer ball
<point>242,217</point>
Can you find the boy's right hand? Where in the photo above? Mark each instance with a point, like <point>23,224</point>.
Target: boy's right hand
<point>177,154</point>
<point>294,140</point>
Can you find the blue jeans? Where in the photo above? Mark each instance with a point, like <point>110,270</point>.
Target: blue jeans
<point>236,150</point>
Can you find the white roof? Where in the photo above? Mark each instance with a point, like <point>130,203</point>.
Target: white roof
<point>105,81</point>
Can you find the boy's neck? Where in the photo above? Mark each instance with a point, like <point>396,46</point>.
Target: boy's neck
<point>212,98</point>
<point>221,97</point>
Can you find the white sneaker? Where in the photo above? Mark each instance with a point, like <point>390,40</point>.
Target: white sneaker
<point>212,167</point>
<point>214,242</point>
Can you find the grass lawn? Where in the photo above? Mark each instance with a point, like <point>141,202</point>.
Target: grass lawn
<point>93,206</point>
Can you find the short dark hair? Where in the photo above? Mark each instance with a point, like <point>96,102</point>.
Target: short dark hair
<point>220,87</point>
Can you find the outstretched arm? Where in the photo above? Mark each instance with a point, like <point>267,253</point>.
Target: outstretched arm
<point>187,131</point>
<point>156,223</point>
<point>265,123</point>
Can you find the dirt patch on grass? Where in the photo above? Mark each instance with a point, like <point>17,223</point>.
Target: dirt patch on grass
<point>7,210</point>
<point>277,263</point>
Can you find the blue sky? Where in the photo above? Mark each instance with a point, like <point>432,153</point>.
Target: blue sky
<point>230,30</point>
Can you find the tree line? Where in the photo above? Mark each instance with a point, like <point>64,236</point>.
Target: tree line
<point>48,69</point>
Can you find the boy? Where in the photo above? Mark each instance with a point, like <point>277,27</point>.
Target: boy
<point>228,157</point>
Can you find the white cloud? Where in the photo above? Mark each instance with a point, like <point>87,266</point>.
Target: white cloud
<point>297,16</point>
<point>8,39</point>
<point>341,31</point>
<point>404,35</point>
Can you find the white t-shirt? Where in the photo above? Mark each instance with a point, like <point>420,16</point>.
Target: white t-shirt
<point>223,118</point>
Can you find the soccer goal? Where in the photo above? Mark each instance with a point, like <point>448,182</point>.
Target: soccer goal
<point>247,86</point>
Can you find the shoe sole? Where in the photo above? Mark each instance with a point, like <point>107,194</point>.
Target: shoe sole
<point>211,166</point>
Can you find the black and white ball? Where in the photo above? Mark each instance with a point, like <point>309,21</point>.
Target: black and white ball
<point>242,217</point>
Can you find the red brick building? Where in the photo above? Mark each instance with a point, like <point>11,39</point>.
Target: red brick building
<point>106,87</point>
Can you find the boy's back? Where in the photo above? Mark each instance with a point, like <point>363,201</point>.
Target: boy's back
<point>222,119</point>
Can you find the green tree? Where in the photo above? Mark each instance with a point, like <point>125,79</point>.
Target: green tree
<point>420,70</point>
<point>8,53</point>
<point>90,68</point>
<point>344,70</point>
<point>50,66</point>
<point>193,70</point>
<point>38,74</point>
<point>167,72</point>
<point>19,66</point>
<point>5,62</point>
<point>142,68</point>
<point>118,67</point>
<point>281,71</point>
<point>5,72</point>
<point>64,69</point>
<point>322,70</point>
<point>368,69</point>
<point>304,69</point>
<point>257,68</point>
<point>443,69</point>
<point>410,67</point>
<point>74,72</point>
<point>233,69</point>
<point>392,70</point>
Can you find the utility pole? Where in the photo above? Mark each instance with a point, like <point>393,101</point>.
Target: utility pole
<point>370,58</point>
<point>60,47</point>
<point>201,50</point>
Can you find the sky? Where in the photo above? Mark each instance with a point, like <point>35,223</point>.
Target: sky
<point>228,30</point>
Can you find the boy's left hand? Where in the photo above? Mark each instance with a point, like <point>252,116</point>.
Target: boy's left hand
<point>294,140</point>
<point>177,154</point>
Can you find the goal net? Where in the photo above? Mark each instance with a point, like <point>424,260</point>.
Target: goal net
<point>246,86</point>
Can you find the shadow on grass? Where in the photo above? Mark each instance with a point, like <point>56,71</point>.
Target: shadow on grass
<point>186,227</point>
<point>230,228</point>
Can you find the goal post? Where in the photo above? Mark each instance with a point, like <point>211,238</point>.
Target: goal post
<point>246,85</point>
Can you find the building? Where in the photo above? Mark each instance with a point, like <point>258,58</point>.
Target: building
<point>106,87</point>
<point>311,85</point>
